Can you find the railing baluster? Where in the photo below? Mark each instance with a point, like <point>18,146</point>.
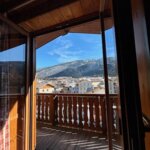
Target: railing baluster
<point>116,99</point>
<point>39,103</point>
<point>112,112</point>
<point>75,111</point>
<point>42,108</point>
<point>46,108</point>
<point>52,111</point>
<point>65,110</point>
<point>97,114</point>
<point>80,111</point>
<point>70,110</point>
<point>60,109</point>
<point>55,110</point>
<point>85,113</point>
<point>103,110</point>
<point>91,112</point>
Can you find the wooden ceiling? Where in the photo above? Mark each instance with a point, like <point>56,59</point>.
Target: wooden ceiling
<point>48,19</point>
<point>43,16</point>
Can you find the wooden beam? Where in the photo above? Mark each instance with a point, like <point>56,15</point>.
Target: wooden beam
<point>8,5</point>
<point>16,27</point>
<point>70,23</point>
<point>36,8</point>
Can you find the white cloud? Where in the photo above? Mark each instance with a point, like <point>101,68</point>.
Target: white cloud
<point>64,51</point>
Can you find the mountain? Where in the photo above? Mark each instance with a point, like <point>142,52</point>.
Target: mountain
<point>79,68</point>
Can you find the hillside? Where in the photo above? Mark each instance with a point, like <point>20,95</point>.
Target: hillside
<point>76,69</point>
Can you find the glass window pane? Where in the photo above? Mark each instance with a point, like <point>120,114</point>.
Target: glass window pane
<point>12,88</point>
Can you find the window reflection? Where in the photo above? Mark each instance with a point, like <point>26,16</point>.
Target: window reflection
<point>12,70</point>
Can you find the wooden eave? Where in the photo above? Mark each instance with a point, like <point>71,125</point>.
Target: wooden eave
<point>48,19</point>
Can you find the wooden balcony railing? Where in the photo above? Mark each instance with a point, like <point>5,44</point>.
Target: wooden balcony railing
<point>77,111</point>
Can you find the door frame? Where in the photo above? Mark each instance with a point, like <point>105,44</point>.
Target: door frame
<point>29,136</point>
<point>132,124</point>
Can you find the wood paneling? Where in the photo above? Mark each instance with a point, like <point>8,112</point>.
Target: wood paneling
<point>143,58</point>
<point>92,27</point>
<point>17,118</point>
<point>65,13</point>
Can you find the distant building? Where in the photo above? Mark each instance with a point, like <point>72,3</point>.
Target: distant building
<point>85,86</point>
<point>45,88</point>
<point>113,87</point>
<point>74,89</point>
<point>97,90</point>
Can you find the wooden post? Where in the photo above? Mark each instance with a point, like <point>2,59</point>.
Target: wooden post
<point>131,46</point>
<point>52,110</point>
<point>108,107</point>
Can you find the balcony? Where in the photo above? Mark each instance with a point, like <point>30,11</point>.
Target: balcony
<point>73,120</point>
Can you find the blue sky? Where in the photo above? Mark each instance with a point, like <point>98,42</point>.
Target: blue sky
<point>73,46</point>
<point>13,54</point>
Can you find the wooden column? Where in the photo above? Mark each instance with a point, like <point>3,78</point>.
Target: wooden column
<point>143,56</point>
<point>31,90</point>
<point>133,132</point>
<point>108,106</point>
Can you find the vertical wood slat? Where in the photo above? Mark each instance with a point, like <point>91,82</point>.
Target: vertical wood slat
<point>62,99</point>
<point>52,111</point>
<point>75,111</point>
<point>46,109</point>
<point>80,111</point>
<point>96,102</point>
<point>60,109</point>
<point>49,117</point>
<point>85,112</point>
<point>91,112</point>
<point>103,111</point>
<point>112,113</point>
<point>65,110</point>
<point>38,103</point>
<point>42,108</point>
<point>70,110</point>
<point>115,111</point>
<point>116,99</point>
<point>55,100</point>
